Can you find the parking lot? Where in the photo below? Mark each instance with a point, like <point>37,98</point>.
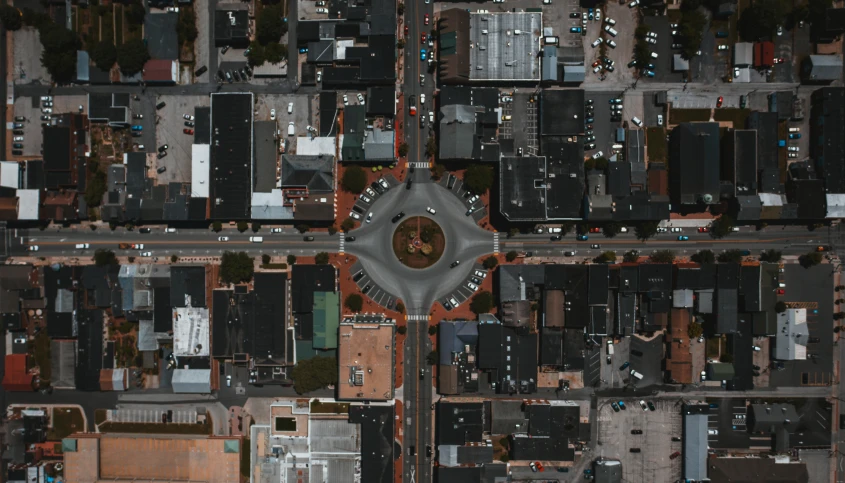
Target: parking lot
<point>655,444</point>
<point>27,58</point>
<point>30,108</point>
<point>169,129</point>
<point>522,126</point>
<point>304,113</point>
<point>459,190</point>
<point>663,49</point>
<point>811,288</point>
<point>728,418</point>
<point>603,129</point>
<point>180,416</point>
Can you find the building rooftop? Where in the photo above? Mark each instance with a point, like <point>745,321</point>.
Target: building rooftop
<point>231,155</point>
<point>366,361</point>
<point>191,331</point>
<point>506,46</point>
<point>107,457</point>
<point>695,163</point>
<point>792,335</point>
<point>561,112</point>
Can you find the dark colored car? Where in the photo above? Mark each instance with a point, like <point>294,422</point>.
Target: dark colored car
<point>308,238</point>
<point>676,438</point>
<point>557,238</point>
<point>377,187</point>
<point>366,289</point>
<point>169,415</point>
<point>408,183</point>
<point>161,154</point>
<point>636,431</point>
<point>451,182</point>
<point>615,406</point>
<point>17,152</point>
<point>625,366</point>
<point>454,264</point>
<point>635,450</point>
<point>163,147</point>
<point>397,217</point>
<point>160,105</point>
<point>651,406</point>
<point>428,451</point>
<point>202,70</point>
<point>144,230</point>
<point>349,238</point>
<point>358,276</point>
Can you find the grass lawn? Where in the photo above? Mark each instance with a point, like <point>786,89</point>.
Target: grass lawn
<point>155,428</point>
<point>66,421</point>
<point>655,138</point>
<point>677,116</point>
<point>329,408</point>
<point>736,116</point>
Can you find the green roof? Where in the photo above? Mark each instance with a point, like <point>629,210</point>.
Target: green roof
<point>306,351</point>
<point>721,371</point>
<point>68,445</point>
<point>448,43</point>
<point>231,446</point>
<point>326,319</point>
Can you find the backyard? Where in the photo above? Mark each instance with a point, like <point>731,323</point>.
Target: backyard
<point>656,144</point>
<point>735,116</point>
<point>65,421</point>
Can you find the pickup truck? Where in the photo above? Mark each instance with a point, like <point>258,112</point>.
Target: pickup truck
<point>124,246</point>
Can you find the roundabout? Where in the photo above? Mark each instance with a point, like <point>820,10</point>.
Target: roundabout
<point>418,242</point>
<point>418,284</point>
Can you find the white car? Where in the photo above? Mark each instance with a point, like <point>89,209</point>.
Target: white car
<point>637,121</point>
<point>322,10</point>
<point>610,30</point>
<point>597,69</point>
<point>46,98</point>
<point>651,34</point>
<point>188,117</point>
<point>472,286</point>
<point>33,248</point>
<point>634,4</point>
<point>364,198</point>
<point>47,110</point>
<point>722,47</point>
<point>361,99</point>
<point>369,217</point>
<point>660,119</point>
<point>354,215</point>
<point>275,230</point>
<point>170,230</point>
<point>676,229</point>
<point>597,42</point>
<point>345,100</point>
<point>290,107</point>
<point>598,155</point>
<point>794,129</point>
<point>383,183</point>
<point>431,210</point>
<point>611,43</point>
<point>146,254</point>
<point>480,274</point>
<point>793,148</point>
<point>137,246</point>
<point>661,229</point>
<point>319,76</point>
<point>370,192</point>
<point>422,98</point>
<point>17,139</point>
<point>473,199</point>
<point>223,238</point>
<point>651,40</point>
<point>272,114</point>
<point>792,155</point>
<point>173,9</point>
<point>653,55</point>
<point>713,432</point>
<point>431,117</point>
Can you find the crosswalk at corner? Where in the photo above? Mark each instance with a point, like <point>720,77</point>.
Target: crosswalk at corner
<point>417,164</point>
<point>496,243</point>
<point>342,241</point>
<point>417,318</point>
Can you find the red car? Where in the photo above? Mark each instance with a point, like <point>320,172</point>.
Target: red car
<point>413,111</point>
<point>703,229</point>
<point>422,38</point>
<point>406,31</point>
<point>781,291</point>
<point>674,455</point>
<point>539,466</point>
<point>596,63</point>
<point>425,19</point>
<point>719,102</point>
<point>595,229</point>
<point>188,131</point>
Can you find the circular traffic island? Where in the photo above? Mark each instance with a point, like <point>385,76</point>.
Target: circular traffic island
<point>418,242</point>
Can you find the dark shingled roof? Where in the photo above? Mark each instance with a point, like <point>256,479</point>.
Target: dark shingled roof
<point>231,155</point>
<point>694,170</point>
<point>314,172</point>
<point>827,118</point>
<point>187,282</point>
<point>561,112</point>
<point>377,446</point>
<point>460,423</point>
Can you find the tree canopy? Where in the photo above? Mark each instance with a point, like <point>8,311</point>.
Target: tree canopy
<point>730,256</point>
<point>186,26</point>
<point>236,267</point>
<point>511,256</point>
<point>490,262</point>
<point>354,179</point>
<point>321,258</point>
<point>662,256</point>
<point>761,19</point>
<point>810,259</point>
<point>10,17</point>
<point>771,255</point>
<point>275,52</point>
<point>132,55</point>
<point>631,256</point>
<point>646,230</point>
<point>315,373</point>
<point>695,330</point>
<point>606,257</point>
<point>104,55</point>
<point>103,257</point>
<point>354,302</point>
<point>482,303</point>
<point>135,13</point>
<point>691,30</point>
<point>704,256</point>
<point>478,178</point>
<point>270,25</point>
<point>611,229</point>
<point>59,55</point>
<point>256,55</point>
<point>722,226</point>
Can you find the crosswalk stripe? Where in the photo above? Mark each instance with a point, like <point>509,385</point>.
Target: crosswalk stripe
<point>342,241</point>
<point>417,164</point>
<point>417,318</point>
<point>496,243</point>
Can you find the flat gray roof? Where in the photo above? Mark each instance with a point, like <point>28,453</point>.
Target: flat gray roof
<point>505,46</point>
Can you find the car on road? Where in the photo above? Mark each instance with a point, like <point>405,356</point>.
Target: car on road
<point>146,254</point>
<point>455,264</point>
<point>683,238</point>
<point>703,229</point>
<point>431,210</point>
<point>397,217</point>
<point>223,238</point>
<point>275,230</point>
<point>369,217</point>
<point>349,238</point>
<point>595,246</point>
<point>422,99</point>
<point>425,19</point>
<point>308,238</point>
<point>719,101</point>
<point>636,431</point>
<point>33,248</point>
<point>137,127</point>
<point>582,237</point>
